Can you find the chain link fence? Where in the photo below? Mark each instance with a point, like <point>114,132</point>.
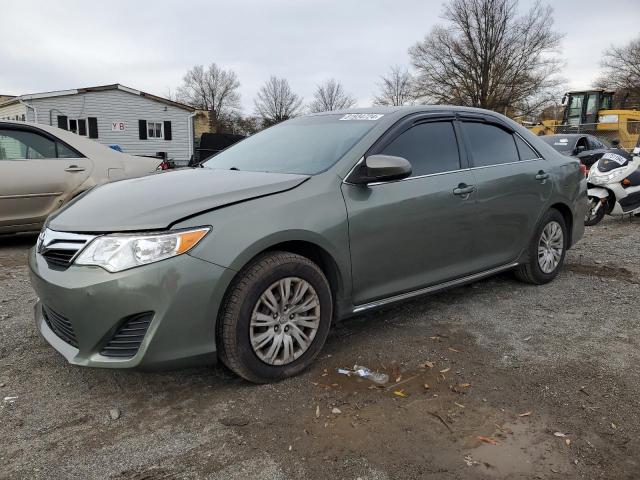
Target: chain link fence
<point>625,132</point>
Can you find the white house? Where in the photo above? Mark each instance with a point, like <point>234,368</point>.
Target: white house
<point>138,122</point>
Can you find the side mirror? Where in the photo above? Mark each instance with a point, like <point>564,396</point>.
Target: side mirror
<point>615,143</point>
<point>580,148</point>
<point>380,168</point>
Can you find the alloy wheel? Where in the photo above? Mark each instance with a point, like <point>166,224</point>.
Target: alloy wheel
<point>284,321</point>
<point>550,247</point>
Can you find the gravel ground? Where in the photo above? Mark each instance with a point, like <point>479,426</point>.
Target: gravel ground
<point>494,380</point>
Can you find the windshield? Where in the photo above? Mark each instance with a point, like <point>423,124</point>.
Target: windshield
<point>306,145</point>
<point>561,144</point>
<point>611,161</point>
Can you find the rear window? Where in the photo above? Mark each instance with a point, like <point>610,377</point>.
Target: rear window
<point>489,145</point>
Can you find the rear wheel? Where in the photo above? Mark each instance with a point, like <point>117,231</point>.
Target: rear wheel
<point>595,213</point>
<point>275,318</point>
<point>547,250</point>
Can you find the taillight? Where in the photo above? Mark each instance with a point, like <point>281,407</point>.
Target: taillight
<point>584,169</point>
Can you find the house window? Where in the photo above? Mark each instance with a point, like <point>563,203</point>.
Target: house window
<point>78,126</point>
<point>154,130</point>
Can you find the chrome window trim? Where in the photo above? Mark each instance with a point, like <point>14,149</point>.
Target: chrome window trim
<point>508,163</point>
<point>372,184</point>
<point>344,180</point>
<point>433,288</point>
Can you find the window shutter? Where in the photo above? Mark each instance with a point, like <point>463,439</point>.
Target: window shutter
<point>93,127</point>
<point>167,130</point>
<point>62,122</point>
<point>82,126</point>
<point>142,127</point>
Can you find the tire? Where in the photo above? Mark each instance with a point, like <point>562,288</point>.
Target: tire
<point>532,271</point>
<point>591,221</point>
<point>245,319</point>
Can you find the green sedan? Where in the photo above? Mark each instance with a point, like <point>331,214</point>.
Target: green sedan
<point>251,257</point>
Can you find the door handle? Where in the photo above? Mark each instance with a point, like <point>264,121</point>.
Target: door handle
<point>74,168</point>
<point>464,189</point>
<point>542,175</point>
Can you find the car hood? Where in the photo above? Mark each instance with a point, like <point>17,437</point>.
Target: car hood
<point>156,201</point>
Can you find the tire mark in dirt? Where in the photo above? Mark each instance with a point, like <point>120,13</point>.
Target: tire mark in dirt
<point>619,273</point>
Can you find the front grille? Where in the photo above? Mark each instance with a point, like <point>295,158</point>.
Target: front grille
<point>127,339</point>
<point>60,325</point>
<point>59,257</point>
<point>60,248</point>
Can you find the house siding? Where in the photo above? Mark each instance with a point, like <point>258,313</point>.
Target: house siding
<point>13,112</point>
<point>119,106</point>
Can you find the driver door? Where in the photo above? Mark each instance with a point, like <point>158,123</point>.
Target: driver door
<point>412,233</point>
<point>37,173</point>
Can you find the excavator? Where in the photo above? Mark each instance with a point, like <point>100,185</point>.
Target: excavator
<point>591,112</point>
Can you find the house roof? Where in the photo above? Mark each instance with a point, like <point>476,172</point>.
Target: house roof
<point>99,88</point>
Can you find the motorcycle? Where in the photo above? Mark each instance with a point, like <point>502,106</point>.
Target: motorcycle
<point>613,187</point>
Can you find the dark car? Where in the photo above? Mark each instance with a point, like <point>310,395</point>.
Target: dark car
<point>587,148</point>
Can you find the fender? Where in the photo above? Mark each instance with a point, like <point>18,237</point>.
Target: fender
<point>598,192</point>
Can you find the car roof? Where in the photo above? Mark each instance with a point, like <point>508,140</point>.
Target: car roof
<point>408,109</point>
<point>568,135</point>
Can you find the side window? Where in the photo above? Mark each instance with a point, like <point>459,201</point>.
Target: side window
<point>489,145</point>
<point>582,142</point>
<point>525,151</point>
<point>65,152</point>
<point>17,144</point>
<point>429,147</point>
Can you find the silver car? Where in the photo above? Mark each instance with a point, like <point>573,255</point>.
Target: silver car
<point>43,167</point>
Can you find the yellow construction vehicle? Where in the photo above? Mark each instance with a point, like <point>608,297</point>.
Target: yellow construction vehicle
<point>590,112</point>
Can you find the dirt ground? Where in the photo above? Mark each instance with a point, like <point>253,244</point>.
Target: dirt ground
<point>494,380</point>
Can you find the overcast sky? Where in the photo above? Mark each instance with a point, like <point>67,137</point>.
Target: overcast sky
<point>55,45</point>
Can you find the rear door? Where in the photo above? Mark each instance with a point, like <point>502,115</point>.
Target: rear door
<point>415,232</point>
<point>513,185</point>
<point>37,173</point>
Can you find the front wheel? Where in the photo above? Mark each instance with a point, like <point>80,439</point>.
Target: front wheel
<point>275,317</point>
<point>547,250</point>
<point>595,213</point>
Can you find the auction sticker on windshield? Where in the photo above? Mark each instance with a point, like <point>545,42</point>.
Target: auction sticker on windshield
<point>362,116</point>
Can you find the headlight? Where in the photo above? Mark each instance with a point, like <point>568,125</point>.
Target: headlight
<point>119,252</point>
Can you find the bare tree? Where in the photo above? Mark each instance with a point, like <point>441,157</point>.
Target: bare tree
<point>490,57</point>
<point>396,88</point>
<point>276,102</point>
<point>214,90</point>
<point>330,95</point>
<point>622,68</point>
<point>246,126</point>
